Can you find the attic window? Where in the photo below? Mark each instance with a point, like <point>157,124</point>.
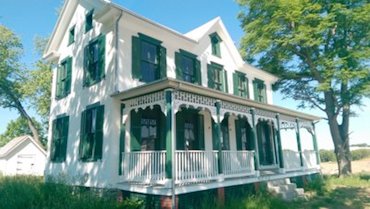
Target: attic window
<point>89,21</point>
<point>216,40</point>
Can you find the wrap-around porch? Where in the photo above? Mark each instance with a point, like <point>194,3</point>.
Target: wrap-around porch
<point>192,138</point>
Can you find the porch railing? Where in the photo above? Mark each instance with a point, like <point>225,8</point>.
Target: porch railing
<point>196,165</point>
<point>144,166</point>
<point>309,157</point>
<point>238,163</point>
<point>292,161</point>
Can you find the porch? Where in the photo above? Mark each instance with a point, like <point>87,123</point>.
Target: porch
<point>187,138</point>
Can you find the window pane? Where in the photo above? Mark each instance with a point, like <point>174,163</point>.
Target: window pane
<point>148,72</point>
<point>149,52</point>
<point>188,69</point>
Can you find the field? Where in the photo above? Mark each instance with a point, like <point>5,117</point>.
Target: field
<point>359,166</point>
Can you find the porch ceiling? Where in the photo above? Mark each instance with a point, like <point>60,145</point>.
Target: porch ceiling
<point>169,83</point>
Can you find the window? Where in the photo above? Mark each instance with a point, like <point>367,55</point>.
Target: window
<point>259,88</point>
<point>94,61</point>
<point>147,128</point>
<point>215,41</point>
<point>148,59</point>
<point>91,142</point>
<point>89,21</point>
<point>71,38</point>
<point>189,130</point>
<point>217,77</point>
<point>187,67</point>
<point>64,78</point>
<point>243,134</point>
<point>240,85</point>
<point>59,139</point>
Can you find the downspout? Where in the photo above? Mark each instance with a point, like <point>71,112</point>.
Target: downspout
<point>116,52</point>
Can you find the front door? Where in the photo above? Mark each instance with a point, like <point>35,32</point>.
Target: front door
<point>266,143</point>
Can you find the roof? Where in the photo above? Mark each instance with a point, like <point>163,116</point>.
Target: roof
<point>14,143</point>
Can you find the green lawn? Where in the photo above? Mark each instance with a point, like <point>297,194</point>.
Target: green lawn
<point>329,192</point>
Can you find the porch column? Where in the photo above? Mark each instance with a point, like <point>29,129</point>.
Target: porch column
<point>278,135</point>
<point>299,142</point>
<point>255,141</point>
<point>122,139</point>
<point>219,133</point>
<point>314,139</point>
<point>170,139</point>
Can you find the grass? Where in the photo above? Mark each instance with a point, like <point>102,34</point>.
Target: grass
<point>32,193</point>
<point>328,192</point>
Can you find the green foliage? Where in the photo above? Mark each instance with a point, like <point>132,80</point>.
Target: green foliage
<point>327,156</point>
<point>32,193</point>
<point>19,127</point>
<point>360,154</point>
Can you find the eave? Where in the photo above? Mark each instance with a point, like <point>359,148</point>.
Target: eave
<point>169,83</point>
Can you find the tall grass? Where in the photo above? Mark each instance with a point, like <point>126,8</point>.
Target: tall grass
<point>27,192</point>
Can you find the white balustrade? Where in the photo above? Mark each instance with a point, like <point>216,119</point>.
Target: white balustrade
<point>194,165</point>
<point>292,161</point>
<point>144,166</point>
<point>309,159</point>
<point>238,163</point>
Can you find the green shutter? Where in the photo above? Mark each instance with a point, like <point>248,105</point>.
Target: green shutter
<point>135,130</point>
<point>86,76</point>
<point>238,134</point>
<point>211,76</point>
<point>264,94</point>
<point>247,87</point>
<point>99,135</point>
<point>101,42</point>
<point>58,86</point>
<point>83,135</point>
<point>255,90</point>
<point>226,87</point>
<point>201,131</point>
<point>236,83</point>
<point>64,138</point>
<point>162,62</point>
<point>178,66</point>
<point>198,75</point>
<point>136,70</point>
<point>180,122</point>
<point>68,77</point>
<point>53,141</point>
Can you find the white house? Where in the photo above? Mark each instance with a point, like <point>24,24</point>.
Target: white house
<point>140,107</point>
<point>22,156</point>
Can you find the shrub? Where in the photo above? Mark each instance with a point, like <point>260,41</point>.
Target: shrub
<point>327,156</point>
<point>360,154</point>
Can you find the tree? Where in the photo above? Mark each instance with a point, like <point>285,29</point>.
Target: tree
<point>37,87</point>
<point>11,77</point>
<point>19,127</point>
<point>320,50</point>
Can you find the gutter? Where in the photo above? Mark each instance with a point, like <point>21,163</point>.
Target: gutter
<point>116,51</point>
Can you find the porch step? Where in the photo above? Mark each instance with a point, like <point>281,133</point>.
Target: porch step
<point>284,189</point>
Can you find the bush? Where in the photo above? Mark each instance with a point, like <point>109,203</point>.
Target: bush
<point>32,193</point>
<point>360,154</point>
<point>327,156</point>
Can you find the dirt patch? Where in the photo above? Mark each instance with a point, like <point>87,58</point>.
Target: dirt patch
<point>359,166</point>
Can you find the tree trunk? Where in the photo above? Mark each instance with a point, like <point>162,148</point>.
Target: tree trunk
<point>339,135</point>
<point>31,124</point>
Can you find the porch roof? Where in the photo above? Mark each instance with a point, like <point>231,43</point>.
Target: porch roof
<point>170,83</point>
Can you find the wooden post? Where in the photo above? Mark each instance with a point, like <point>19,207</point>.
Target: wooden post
<point>219,133</point>
<point>280,149</point>
<point>255,141</point>
<point>121,141</point>
<point>299,143</point>
<point>221,197</point>
<point>169,157</point>
<point>314,139</point>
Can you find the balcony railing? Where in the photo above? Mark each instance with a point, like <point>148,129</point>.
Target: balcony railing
<point>292,161</point>
<point>196,166</point>
<point>238,163</point>
<point>144,166</point>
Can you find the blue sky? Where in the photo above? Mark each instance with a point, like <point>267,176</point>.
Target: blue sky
<point>32,18</point>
